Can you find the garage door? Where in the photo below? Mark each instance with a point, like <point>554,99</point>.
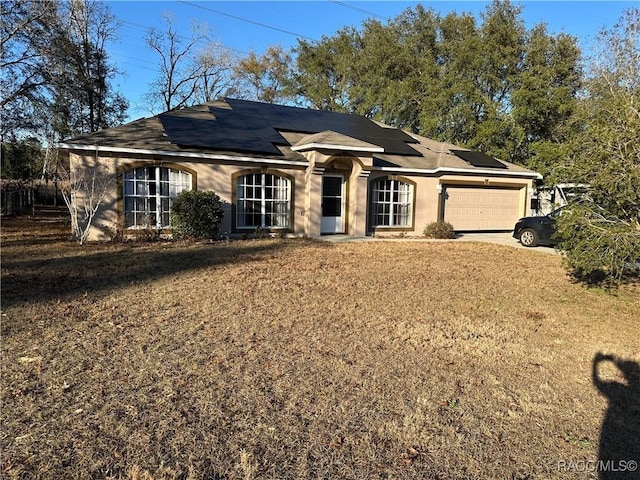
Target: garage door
<point>477,208</point>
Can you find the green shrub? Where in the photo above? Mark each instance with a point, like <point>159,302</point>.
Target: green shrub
<point>598,247</point>
<point>196,213</point>
<point>439,229</point>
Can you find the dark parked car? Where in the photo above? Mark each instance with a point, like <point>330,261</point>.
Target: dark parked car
<point>534,231</point>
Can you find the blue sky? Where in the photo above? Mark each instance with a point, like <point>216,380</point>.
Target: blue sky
<point>250,25</point>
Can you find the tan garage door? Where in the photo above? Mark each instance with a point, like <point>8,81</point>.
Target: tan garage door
<point>477,208</point>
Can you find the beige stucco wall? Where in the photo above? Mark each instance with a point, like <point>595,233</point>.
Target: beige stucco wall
<point>212,175</point>
<point>425,203</point>
<point>427,191</point>
<point>307,190</point>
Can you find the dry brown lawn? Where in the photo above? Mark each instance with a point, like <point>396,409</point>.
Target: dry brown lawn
<point>287,359</point>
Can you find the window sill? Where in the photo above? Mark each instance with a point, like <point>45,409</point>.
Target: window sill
<point>383,229</point>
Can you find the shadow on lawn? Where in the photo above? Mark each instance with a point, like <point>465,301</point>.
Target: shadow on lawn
<point>620,435</point>
<point>59,270</point>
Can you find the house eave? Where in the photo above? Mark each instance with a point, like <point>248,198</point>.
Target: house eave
<point>431,171</point>
<point>296,163</point>
<point>190,155</point>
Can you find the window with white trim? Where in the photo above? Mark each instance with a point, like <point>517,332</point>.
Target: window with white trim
<point>149,193</point>
<point>263,200</point>
<point>391,203</point>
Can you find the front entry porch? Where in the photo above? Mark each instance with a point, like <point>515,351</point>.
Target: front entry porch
<point>337,197</point>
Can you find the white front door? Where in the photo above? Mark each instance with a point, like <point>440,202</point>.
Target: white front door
<point>332,204</point>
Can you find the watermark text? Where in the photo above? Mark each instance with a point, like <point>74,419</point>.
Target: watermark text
<point>588,466</point>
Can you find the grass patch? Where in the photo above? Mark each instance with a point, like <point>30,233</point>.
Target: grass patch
<point>299,359</point>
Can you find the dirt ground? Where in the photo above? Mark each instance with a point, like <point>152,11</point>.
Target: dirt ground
<point>286,359</point>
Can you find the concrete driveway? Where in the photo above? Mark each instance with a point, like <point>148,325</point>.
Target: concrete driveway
<point>500,238</point>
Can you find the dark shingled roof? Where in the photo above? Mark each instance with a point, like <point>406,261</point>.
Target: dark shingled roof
<point>258,130</point>
<point>253,127</point>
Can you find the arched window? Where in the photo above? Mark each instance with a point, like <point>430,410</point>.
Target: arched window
<point>391,203</point>
<point>149,193</point>
<point>263,200</point>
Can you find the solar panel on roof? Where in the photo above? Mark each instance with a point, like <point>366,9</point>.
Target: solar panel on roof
<point>478,159</point>
<point>253,127</point>
<point>234,135</point>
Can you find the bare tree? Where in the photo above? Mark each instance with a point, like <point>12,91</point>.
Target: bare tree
<point>84,188</point>
<point>178,81</point>
<point>216,79</point>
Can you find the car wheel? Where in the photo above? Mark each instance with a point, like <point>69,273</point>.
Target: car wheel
<point>528,238</point>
